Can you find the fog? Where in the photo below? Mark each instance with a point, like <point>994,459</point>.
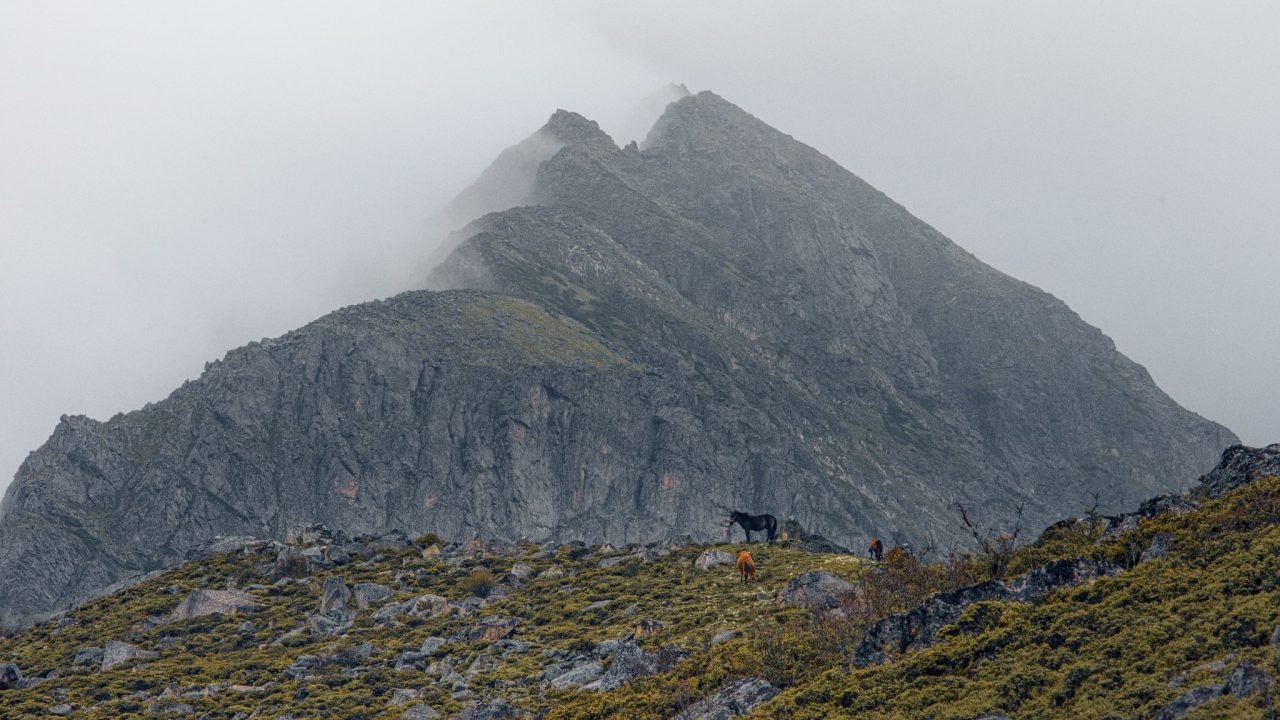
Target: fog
<point>179,179</point>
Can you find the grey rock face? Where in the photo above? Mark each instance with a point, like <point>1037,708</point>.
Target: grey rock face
<point>917,628</point>
<point>734,699</point>
<point>725,317</point>
<point>818,591</point>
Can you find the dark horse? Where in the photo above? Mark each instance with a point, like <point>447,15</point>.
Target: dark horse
<point>768,523</point>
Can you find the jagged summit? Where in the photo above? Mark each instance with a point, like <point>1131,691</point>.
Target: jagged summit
<point>626,341</point>
<point>570,128</point>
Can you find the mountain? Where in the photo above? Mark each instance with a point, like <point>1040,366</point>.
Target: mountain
<point>722,318</point>
<point>1170,610</point>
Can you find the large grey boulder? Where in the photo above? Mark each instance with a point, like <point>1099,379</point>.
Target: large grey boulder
<point>578,674</point>
<point>87,656</point>
<point>10,677</point>
<point>711,558</point>
<point>419,712</point>
<point>209,602</point>
<point>116,652</point>
<point>818,590</point>
<point>334,595</point>
<point>735,698</point>
<point>367,594</point>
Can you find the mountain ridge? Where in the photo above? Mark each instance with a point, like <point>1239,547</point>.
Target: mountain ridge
<point>722,317</point>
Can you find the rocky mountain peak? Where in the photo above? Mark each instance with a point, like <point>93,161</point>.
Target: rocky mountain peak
<point>626,342</point>
<point>570,128</point>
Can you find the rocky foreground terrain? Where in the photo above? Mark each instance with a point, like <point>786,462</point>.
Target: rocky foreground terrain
<point>1167,612</point>
<point>634,339</point>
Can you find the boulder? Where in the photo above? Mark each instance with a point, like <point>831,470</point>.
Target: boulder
<point>432,644</point>
<point>290,563</point>
<point>334,596</point>
<point>577,675</point>
<point>491,630</point>
<point>10,677</point>
<point>811,542</point>
<point>404,696</point>
<point>302,665</point>
<point>817,591</point>
<point>522,570</point>
<point>735,698</point>
<point>370,593</point>
<point>647,628</point>
<point>631,663</point>
<point>209,602</point>
<point>88,656</point>
<point>336,555</point>
<point>116,652</point>
<point>352,655</point>
<point>492,711</point>
<point>1188,701</point>
<point>220,545</point>
<point>61,710</point>
<point>555,571</point>
<point>311,534</point>
<point>711,558</point>
<point>723,637</point>
<point>419,712</point>
<point>334,623</point>
<point>1247,679</point>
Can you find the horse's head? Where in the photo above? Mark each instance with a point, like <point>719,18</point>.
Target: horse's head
<point>738,517</point>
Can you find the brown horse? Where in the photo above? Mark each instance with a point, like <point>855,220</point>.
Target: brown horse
<point>876,549</point>
<point>746,566</point>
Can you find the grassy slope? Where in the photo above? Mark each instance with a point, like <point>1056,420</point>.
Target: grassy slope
<point>695,604</point>
<point>1108,650</point>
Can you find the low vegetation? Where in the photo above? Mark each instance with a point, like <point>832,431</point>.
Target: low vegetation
<point>1120,647</point>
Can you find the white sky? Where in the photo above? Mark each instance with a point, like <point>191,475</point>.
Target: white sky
<point>177,179</point>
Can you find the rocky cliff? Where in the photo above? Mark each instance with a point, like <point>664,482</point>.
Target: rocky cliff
<point>724,317</point>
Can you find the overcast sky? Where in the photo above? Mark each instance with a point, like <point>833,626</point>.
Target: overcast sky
<point>178,179</point>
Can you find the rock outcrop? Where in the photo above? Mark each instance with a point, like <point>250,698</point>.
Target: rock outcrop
<point>722,317</point>
<point>918,627</point>
<point>734,699</point>
<point>1239,465</point>
<point>1245,680</point>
